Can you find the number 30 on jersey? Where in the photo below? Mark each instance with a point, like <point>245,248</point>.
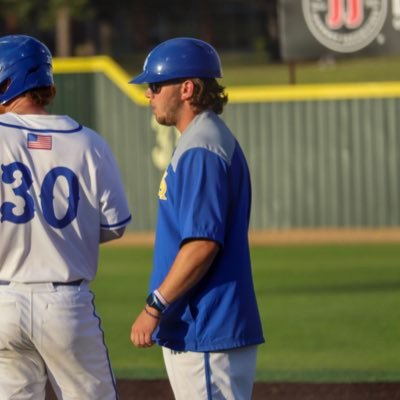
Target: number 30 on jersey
<point>21,186</point>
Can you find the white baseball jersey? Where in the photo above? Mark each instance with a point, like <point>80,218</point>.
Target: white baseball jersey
<point>59,186</point>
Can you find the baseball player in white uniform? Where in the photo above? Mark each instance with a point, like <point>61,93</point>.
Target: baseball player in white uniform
<point>60,196</point>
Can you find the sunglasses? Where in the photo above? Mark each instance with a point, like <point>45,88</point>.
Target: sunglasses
<point>157,86</point>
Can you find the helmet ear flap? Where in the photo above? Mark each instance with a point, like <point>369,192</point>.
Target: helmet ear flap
<point>4,86</point>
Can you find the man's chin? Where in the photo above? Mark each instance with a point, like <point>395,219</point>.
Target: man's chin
<point>162,121</point>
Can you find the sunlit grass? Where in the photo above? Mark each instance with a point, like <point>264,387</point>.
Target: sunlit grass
<point>249,72</point>
<point>330,313</point>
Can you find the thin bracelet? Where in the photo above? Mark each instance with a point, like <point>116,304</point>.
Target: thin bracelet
<point>149,313</point>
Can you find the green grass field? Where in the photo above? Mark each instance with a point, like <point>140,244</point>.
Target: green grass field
<point>349,70</point>
<point>330,313</point>
<point>241,69</point>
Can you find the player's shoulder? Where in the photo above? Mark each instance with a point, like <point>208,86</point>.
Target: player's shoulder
<point>8,119</point>
<point>67,125</point>
<point>207,132</point>
<point>91,134</point>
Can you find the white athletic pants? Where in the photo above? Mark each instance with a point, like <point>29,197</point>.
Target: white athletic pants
<point>52,331</point>
<point>227,375</point>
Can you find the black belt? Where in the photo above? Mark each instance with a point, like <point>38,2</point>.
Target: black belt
<point>72,283</point>
<point>55,284</point>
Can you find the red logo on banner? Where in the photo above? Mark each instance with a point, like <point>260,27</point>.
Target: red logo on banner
<point>345,25</point>
<point>340,14</point>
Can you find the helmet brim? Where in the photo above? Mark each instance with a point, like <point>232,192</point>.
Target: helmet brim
<point>141,78</point>
<point>146,77</point>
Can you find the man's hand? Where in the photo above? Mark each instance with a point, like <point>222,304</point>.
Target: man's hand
<point>190,265</point>
<point>144,326</point>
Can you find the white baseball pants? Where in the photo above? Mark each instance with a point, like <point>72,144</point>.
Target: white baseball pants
<point>49,331</point>
<point>227,375</point>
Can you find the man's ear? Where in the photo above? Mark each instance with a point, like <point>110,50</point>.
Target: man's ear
<point>187,89</point>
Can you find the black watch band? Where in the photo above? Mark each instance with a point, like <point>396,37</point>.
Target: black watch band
<point>153,301</point>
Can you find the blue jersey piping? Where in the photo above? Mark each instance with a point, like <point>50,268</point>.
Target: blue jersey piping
<point>41,130</point>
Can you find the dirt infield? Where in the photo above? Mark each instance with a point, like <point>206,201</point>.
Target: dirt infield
<point>160,390</point>
<point>292,236</point>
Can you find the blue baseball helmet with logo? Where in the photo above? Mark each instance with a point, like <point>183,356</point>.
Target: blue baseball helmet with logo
<point>25,64</point>
<point>180,58</point>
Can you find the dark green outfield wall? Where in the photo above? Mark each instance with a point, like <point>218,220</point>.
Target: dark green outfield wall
<point>320,156</point>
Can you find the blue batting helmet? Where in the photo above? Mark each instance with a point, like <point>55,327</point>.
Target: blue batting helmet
<point>25,64</point>
<point>180,58</point>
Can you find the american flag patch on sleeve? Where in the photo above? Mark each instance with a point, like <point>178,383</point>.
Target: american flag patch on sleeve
<point>41,142</point>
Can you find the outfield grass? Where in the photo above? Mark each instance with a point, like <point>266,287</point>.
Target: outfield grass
<point>241,69</point>
<point>345,70</point>
<point>330,313</point>
<point>341,71</point>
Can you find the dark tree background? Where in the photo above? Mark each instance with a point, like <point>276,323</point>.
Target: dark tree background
<point>123,28</point>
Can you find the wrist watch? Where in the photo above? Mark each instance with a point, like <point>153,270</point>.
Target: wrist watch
<point>153,301</point>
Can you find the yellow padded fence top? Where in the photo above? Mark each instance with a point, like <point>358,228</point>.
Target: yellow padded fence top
<point>238,94</point>
<point>101,64</point>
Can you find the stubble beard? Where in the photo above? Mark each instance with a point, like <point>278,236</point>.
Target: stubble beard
<point>171,111</point>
